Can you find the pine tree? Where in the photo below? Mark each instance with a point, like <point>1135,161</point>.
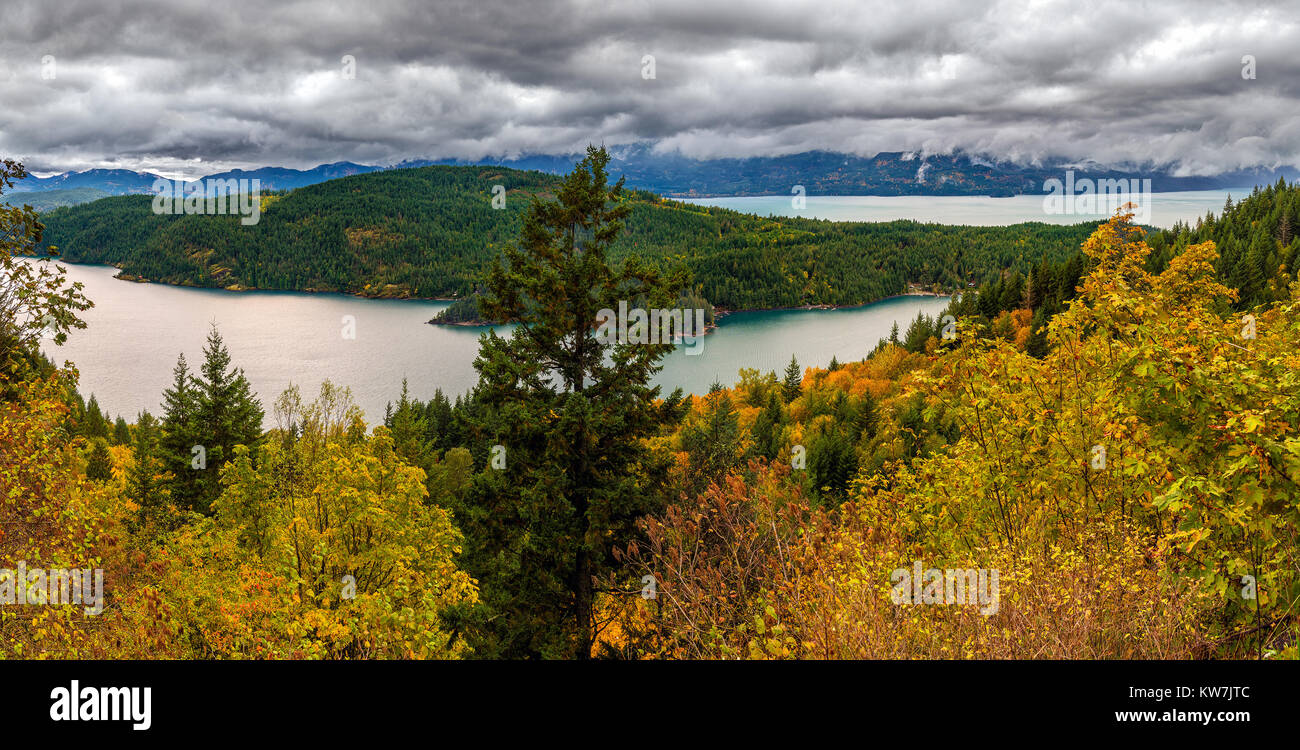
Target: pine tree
<point>570,412</point>
<point>99,465</point>
<point>767,427</point>
<point>94,425</point>
<point>1036,346</point>
<point>792,385</point>
<point>831,464</point>
<point>121,432</point>
<point>144,481</point>
<point>713,441</point>
<point>227,414</point>
<point>1254,272</point>
<point>868,416</point>
<point>180,434</point>
<point>408,427</point>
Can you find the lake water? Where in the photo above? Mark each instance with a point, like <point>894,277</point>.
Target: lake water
<point>135,331</point>
<point>1165,208</point>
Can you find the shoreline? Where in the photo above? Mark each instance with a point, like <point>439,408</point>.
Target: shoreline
<point>122,275</point>
<point>718,312</point>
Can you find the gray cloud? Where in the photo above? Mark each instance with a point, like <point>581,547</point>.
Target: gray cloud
<point>192,86</point>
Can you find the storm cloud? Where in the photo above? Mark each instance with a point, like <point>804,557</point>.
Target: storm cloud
<point>193,87</point>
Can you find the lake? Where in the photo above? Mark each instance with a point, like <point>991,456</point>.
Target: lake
<point>1166,208</point>
<point>135,331</point>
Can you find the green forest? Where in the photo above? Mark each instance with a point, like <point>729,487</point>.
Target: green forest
<point>432,232</point>
<point>1113,426</point>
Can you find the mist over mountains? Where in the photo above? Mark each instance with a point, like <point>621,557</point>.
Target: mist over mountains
<point>674,175</point>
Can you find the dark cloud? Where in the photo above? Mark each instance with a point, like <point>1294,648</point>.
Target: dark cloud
<point>196,86</point>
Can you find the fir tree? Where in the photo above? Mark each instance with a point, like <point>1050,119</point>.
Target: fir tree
<point>792,385</point>
<point>145,481</point>
<point>767,427</point>
<point>121,432</point>
<point>570,411</point>
<point>227,414</point>
<point>99,465</point>
<point>180,433</point>
<point>713,441</point>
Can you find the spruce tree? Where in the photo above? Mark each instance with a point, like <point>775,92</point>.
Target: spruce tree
<point>121,432</point>
<point>408,427</point>
<point>867,419</point>
<point>767,427</point>
<point>792,385</point>
<point>562,415</point>
<point>180,434</point>
<point>144,483</point>
<point>99,465</point>
<point>226,414</point>
<point>94,425</point>
<point>713,441</point>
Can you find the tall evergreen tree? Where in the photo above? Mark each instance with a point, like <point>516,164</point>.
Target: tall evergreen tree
<point>767,427</point>
<point>180,433</point>
<point>566,414</point>
<point>408,428</point>
<point>121,432</point>
<point>867,419</point>
<point>713,441</point>
<point>94,424</point>
<point>226,414</point>
<point>792,385</point>
<point>99,465</point>
<point>145,481</point>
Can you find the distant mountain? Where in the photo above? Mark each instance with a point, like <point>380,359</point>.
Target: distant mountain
<point>432,231</point>
<point>125,182</point>
<point>110,181</point>
<point>281,178</point>
<point>45,200</point>
<point>829,173</point>
<point>673,175</point>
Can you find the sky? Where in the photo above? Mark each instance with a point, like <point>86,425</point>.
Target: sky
<point>191,87</point>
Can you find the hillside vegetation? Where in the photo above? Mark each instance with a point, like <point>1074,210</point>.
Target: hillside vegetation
<point>431,231</point>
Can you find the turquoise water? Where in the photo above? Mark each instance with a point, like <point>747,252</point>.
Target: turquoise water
<point>135,331</point>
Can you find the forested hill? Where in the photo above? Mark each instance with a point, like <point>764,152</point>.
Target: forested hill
<point>430,231</point>
<point>1258,241</point>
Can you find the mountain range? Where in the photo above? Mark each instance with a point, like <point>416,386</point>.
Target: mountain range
<point>673,175</point>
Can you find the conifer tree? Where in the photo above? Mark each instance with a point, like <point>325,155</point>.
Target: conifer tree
<point>565,416</point>
<point>226,414</point>
<point>767,427</point>
<point>713,440</point>
<point>793,382</point>
<point>145,481</point>
<point>99,465</point>
<point>180,434</point>
<point>121,432</point>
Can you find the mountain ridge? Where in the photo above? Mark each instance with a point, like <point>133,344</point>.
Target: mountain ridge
<point>672,175</point>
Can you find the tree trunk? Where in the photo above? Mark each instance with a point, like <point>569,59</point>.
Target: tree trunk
<point>583,603</point>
